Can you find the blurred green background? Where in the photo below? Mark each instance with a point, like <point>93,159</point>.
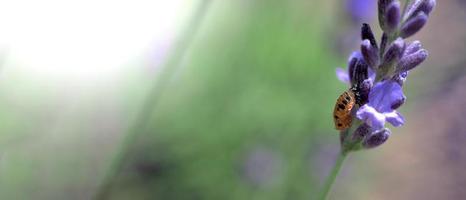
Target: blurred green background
<point>245,91</point>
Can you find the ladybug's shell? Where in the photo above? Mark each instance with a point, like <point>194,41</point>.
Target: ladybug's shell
<point>342,112</point>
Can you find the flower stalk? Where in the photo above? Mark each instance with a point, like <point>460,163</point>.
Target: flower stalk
<point>333,176</point>
<point>142,120</point>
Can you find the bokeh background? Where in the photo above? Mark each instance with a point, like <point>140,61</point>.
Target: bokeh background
<point>214,100</point>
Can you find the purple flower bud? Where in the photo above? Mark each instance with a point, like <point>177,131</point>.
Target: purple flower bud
<point>361,132</point>
<point>379,110</point>
<point>352,60</point>
<point>393,16</point>
<point>376,139</point>
<point>360,72</point>
<point>427,6</point>
<point>412,47</point>
<point>394,52</point>
<point>418,6</point>
<point>370,54</point>
<point>413,25</point>
<point>409,62</point>
<point>382,7</point>
<point>367,34</point>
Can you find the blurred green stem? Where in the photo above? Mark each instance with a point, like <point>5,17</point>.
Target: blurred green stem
<point>332,176</point>
<point>405,7</point>
<point>143,117</point>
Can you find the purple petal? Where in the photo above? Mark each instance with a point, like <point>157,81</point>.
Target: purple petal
<point>371,117</point>
<point>394,118</point>
<point>384,94</point>
<point>342,75</point>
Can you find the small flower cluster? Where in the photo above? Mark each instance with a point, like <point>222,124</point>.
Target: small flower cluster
<point>377,72</point>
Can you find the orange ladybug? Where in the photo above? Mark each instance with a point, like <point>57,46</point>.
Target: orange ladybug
<point>342,112</point>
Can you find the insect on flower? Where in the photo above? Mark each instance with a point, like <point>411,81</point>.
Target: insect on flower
<point>342,112</point>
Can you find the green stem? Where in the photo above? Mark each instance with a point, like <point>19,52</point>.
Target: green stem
<point>332,176</point>
<point>405,7</point>
<point>143,117</point>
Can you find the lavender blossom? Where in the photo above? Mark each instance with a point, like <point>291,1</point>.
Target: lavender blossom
<point>383,96</point>
<point>376,74</point>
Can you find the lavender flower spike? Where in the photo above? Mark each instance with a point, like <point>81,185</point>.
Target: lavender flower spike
<point>376,76</point>
<point>377,73</point>
<point>382,98</point>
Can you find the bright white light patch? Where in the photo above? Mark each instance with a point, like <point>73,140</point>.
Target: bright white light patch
<point>84,39</point>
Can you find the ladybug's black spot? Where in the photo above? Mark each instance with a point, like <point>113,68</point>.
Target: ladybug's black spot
<point>336,117</point>
<point>344,102</point>
<point>341,106</point>
<point>339,124</point>
<point>347,98</point>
